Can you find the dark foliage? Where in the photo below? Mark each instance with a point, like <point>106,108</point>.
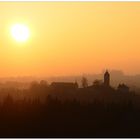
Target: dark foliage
<point>66,111</point>
<point>53,118</point>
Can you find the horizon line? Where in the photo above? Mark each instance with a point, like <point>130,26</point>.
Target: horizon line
<point>56,76</point>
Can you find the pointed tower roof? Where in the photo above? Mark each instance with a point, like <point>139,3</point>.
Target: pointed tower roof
<point>106,73</point>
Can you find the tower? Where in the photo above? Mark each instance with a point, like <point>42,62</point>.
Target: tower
<point>106,79</point>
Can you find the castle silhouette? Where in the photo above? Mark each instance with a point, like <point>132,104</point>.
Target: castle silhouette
<point>98,84</point>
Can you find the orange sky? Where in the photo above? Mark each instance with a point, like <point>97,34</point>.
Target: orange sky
<point>69,38</point>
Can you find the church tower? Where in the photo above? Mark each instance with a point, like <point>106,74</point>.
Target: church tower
<point>107,79</point>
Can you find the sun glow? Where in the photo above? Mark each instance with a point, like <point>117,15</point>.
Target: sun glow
<point>20,32</point>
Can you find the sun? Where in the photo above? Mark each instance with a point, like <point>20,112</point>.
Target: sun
<point>20,32</point>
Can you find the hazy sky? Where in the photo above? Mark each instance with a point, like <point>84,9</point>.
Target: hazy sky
<point>69,38</point>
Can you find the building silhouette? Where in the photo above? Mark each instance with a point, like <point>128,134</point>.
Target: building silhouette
<point>107,79</point>
<point>63,87</point>
<point>123,88</point>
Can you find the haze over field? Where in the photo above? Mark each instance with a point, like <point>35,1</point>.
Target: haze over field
<point>117,76</point>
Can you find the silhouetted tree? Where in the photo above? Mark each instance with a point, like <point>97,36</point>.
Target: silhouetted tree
<point>43,83</point>
<point>34,85</point>
<point>84,82</point>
